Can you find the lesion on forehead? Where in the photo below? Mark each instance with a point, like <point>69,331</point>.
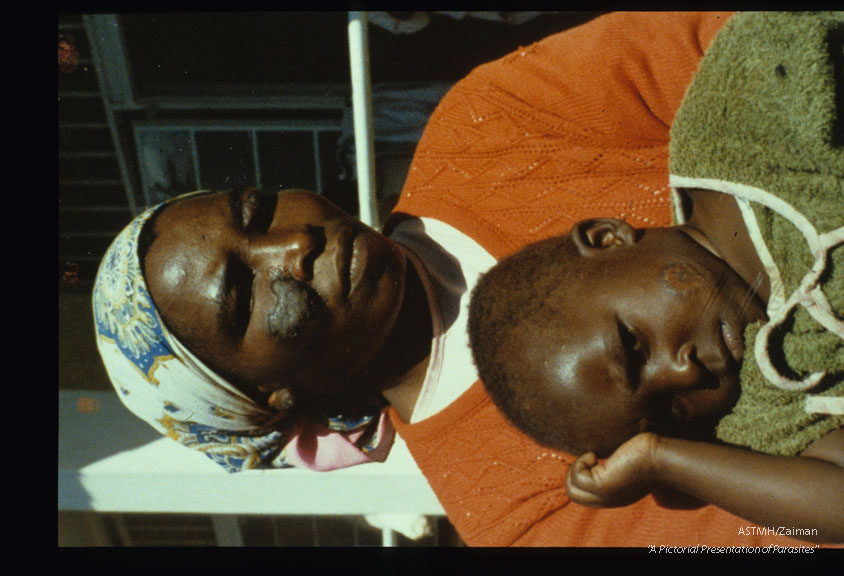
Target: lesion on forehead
<point>682,277</point>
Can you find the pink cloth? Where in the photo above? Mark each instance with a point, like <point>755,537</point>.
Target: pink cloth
<point>317,447</point>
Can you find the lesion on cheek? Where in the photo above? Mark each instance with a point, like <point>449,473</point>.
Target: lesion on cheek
<point>294,306</point>
<point>681,277</point>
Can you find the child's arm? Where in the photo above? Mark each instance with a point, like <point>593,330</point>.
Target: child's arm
<point>797,492</point>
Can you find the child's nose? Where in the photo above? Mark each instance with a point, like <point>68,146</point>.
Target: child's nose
<point>680,369</point>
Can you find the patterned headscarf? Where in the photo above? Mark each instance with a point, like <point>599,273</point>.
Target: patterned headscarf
<point>162,382</point>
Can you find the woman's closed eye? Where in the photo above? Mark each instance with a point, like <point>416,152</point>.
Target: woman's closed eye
<point>236,309</point>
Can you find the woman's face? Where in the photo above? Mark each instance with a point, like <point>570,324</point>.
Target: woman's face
<point>275,290</point>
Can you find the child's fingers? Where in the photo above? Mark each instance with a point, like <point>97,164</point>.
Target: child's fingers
<point>580,473</point>
<point>587,460</point>
<point>578,483</point>
<point>583,498</point>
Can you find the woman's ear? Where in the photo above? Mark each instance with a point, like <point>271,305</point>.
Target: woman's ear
<point>281,400</point>
<point>593,236</point>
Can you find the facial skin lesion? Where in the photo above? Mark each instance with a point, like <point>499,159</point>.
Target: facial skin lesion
<point>681,277</point>
<point>295,305</point>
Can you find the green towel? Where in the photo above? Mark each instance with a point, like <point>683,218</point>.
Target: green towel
<point>763,120</point>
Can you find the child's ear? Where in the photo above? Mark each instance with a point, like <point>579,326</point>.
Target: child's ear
<point>598,234</point>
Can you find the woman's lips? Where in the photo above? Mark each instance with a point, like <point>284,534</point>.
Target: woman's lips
<point>344,256</point>
<point>359,261</point>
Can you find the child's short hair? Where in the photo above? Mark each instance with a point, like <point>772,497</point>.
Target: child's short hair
<point>514,296</point>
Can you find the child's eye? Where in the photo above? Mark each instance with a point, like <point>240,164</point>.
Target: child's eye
<point>635,352</point>
<point>629,339</point>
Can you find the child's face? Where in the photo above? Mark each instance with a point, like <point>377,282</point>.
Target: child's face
<point>651,339</point>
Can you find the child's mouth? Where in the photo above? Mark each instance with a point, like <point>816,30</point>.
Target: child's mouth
<point>734,340</point>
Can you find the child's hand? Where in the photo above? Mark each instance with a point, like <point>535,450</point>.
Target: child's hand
<point>625,477</point>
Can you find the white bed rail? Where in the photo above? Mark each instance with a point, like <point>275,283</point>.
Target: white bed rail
<point>111,461</point>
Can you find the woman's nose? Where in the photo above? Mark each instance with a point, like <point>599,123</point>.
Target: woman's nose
<point>291,251</point>
<point>673,370</point>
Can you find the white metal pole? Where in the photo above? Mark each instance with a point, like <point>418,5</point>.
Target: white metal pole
<point>362,108</point>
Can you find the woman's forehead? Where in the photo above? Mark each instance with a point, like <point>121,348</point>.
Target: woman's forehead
<point>180,259</point>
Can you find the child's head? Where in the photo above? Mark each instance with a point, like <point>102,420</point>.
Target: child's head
<point>585,340</point>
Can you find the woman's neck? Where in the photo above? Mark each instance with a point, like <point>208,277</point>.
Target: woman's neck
<point>404,361</point>
<point>717,216</point>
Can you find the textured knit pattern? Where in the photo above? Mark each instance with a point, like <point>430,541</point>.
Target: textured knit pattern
<point>761,121</point>
<point>525,147</point>
<point>572,127</point>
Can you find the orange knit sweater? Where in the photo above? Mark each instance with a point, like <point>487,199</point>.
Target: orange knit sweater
<point>574,126</point>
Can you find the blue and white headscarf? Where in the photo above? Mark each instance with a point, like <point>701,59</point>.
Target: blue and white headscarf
<point>162,382</point>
